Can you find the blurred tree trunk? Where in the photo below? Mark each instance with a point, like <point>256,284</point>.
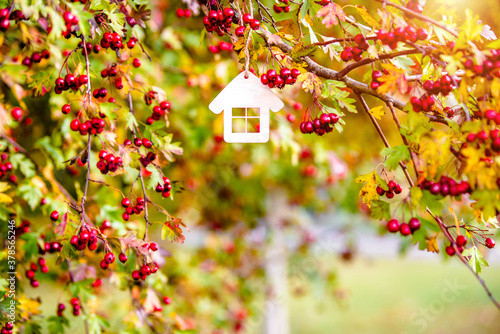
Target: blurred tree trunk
<point>276,267</point>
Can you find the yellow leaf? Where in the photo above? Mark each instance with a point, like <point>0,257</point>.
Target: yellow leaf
<point>179,322</point>
<point>311,83</point>
<point>5,198</point>
<point>27,307</point>
<point>288,27</point>
<point>4,186</point>
<point>432,245</point>
<point>369,191</point>
<point>377,112</point>
<point>366,16</point>
<point>38,182</point>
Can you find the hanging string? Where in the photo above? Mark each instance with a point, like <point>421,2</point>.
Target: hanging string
<point>247,52</point>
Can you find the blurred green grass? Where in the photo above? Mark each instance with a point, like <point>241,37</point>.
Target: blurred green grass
<point>402,296</point>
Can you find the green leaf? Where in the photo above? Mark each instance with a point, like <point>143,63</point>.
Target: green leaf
<point>300,50</point>
<point>40,80</point>
<point>30,194</point>
<point>394,155</point>
<point>425,199</point>
<point>487,201</point>
<point>476,260</point>
<point>31,246</point>
<point>57,324</point>
<point>155,178</point>
<point>403,62</point>
<point>54,152</point>
<point>418,124</point>
<point>24,164</point>
<point>131,122</point>
<point>380,210</point>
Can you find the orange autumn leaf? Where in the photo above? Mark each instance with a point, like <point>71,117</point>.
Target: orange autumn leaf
<point>396,79</point>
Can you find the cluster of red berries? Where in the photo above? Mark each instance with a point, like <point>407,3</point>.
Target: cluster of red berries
<point>71,22</point>
<point>36,57</point>
<point>149,97</point>
<point>86,238</point>
<point>223,46</point>
<point>159,111</point>
<point>164,188</point>
<point>70,82</point>
<point>356,53</point>
<point>109,258</point>
<point>146,160</point>
<point>414,5</point>
<point>108,162</point>
<point>447,186</point>
<point>319,125</point>
<point>394,188</point>
<point>5,17</point>
<point>405,229</point>
<point>30,273</point>
<point>97,283</point>
<point>489,68</point>
<point>8,328</point>
<point>60,309</point>
<point>5,165</point>
<point>219,21</point>
<point>183,12</point>
<point>23,228</point>
<point>137,209</point>
<point>144,271</point>
<point>444,86</point>
<point>323,2</point>
<point>92,126</point>
<point>89,48</point>
<point>112,40</point>
<point>375,80</point>
<point>490,115</point>
<point>112,71</point>
<point>75,302</point>
<point>278,9</point>
<point>285,77</point>
<point>51,247</point>
<point>248,20</point>
<point>406,34</point>
<point>100,93</point>
<point>482,137</point>
<point>424,103</point>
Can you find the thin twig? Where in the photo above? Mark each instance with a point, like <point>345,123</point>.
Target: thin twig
<point>419,16</point>
<point>366,61</point>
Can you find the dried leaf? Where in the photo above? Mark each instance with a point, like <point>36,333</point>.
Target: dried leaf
<point>366,16</point>
<point>331,14</point>
<point>377,112</point>
<point>311,83</point>
<point>432,245</point>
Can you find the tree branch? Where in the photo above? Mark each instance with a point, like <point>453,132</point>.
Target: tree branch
<point>366,61</point>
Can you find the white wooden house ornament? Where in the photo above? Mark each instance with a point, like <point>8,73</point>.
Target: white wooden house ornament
<point>246,103</point>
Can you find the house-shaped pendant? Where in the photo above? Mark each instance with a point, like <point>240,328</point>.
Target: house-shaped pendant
<point>246,103</point>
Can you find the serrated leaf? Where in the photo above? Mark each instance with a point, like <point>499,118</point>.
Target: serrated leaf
<point>332,14</point>
<point>377,112</point>
<point>155,177</point>
<point>368,192</point>
<point>380,210</point>
<point>311,83</point>
<point>395,155</point>
<point>41,82</point>
<point>172,231</point>
<point>476,260</point>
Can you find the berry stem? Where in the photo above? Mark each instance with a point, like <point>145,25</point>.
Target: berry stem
<point>146,200</point>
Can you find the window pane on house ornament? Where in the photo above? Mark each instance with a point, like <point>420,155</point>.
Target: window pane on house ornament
<point>253,112</point>
<point>239,112</point>
<point>253,125</point>
<point>238,125</point>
